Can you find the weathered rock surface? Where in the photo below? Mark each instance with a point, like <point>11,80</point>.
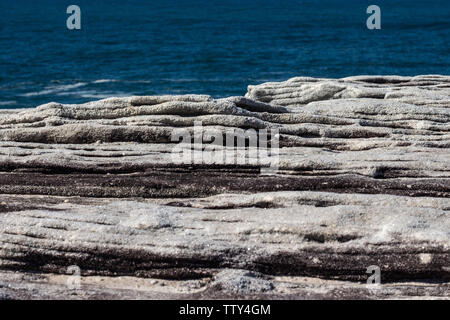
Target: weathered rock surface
<point>287,233</point>
<point>424,90</point>
<point>362,178</point>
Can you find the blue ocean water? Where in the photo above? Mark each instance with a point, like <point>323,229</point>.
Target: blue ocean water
<point>216,47</point>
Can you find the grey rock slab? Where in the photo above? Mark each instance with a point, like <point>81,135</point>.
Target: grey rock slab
<point>40,286</point>
<point>313,234</point>
<point>426,90</point>
<point>362,178</point>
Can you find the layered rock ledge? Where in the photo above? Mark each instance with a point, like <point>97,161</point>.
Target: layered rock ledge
<point>362,179</point>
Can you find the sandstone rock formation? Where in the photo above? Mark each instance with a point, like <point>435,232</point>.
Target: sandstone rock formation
<point>362,179</point>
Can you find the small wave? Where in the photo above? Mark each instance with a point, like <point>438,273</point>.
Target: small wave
<point>105,80</point>
<point>103,95</point>
<point>138,81</point>
<point>182,80</point>
<point>68,86</point>
<point>54,89</point>
<point>92,94</point>
<point>8,103</point>
<point>202,79</point>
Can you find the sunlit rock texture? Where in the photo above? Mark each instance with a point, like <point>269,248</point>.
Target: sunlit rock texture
<point>362,179</point>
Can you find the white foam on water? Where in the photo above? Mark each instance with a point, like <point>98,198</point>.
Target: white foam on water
<point>6,103</point>
<point>54,89</point>
<point>105,80</point>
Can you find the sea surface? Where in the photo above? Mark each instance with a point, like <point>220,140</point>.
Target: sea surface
<point>215,47</point>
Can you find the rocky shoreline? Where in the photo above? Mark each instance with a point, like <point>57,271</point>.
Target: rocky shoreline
<point>362,179</point>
